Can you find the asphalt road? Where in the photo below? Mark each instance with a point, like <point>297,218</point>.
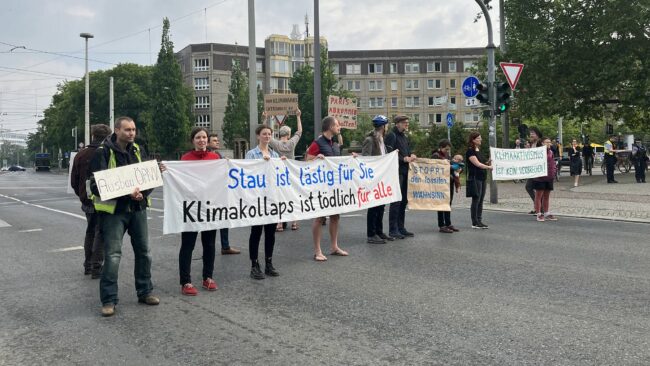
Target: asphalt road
<point>573,292</point>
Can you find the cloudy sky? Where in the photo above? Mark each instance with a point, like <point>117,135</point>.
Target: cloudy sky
<point>129,31</point>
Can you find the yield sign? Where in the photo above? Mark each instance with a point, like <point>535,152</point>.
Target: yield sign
<point>512,72</point>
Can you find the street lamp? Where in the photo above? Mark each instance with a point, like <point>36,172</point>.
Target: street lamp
<point>87,107</point>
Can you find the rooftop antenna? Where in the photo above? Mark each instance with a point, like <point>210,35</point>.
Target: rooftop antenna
<point>306,26</point>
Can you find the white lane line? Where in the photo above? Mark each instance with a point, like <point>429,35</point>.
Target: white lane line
<point>352,215</point>
<point>161,216</point>
<point>156,199</point>
<point>45,208</point>
<point>66,249</point>
<point>29,230</point>
<point>156,209</point>
<point>4,223</point>
<point>48,187</point>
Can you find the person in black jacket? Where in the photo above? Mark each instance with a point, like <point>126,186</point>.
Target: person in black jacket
<point>117,216</point>
<point>93,245</point>
<point>397,140</point>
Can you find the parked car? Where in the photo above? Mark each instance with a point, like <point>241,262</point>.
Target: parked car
<point>4,169</point>
<point>16,168</point>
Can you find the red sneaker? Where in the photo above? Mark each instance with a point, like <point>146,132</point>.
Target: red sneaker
<point>209,284</point>
<point>189,290</point>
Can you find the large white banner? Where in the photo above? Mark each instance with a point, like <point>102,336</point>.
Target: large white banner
<point>518,163</point>
<point>215,194</point>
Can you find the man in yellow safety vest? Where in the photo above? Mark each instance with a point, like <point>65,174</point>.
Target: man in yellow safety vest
<point>610,158</point>
<point>125,213</point>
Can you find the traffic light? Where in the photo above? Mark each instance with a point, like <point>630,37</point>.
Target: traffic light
<point>610,129</point>
<point>483,95</point>
<point>503,97</point>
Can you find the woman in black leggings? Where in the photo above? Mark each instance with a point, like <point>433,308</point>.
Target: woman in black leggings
<point>476,178</point>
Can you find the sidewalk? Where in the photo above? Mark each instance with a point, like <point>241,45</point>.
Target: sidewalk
<point>593,198</point>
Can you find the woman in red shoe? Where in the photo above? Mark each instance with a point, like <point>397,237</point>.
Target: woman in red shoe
<point>199,138</point>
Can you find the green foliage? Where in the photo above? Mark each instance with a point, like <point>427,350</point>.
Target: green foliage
<point>236,117</point>
<point>171,102</point>
<point>425,142</point>
<point>14,154</point>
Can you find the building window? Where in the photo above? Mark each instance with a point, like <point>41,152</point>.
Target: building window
<point>468,65</point>
<point>202,102</point>
<point>202,64</point>
<point>434,84</point>
<point>452,83</point>
<point>412,84</point>
<point>335,69</point>
<point>414,118</point>
<point>452,66</point>
<point>471,117</point>
<point>203,120</point>
<point>279,48</point>
<point>353,69</point>
<point>434,66</point>
<point>411,67</point>
<point>201,84</point>
<point>438,117</point>
<point>431,118</point>
<point>452,100</point>
<point>297,65</point>
<point>375,102</point>
<point>393,102</point>
<point>375,85</point>
<point>354,85</point>
<point>431,101</point>
<point>280,66</point>
<point>260,84</point>
<point>298,50</point>
<point>393,67</point>
<point>259,66</point>
<point>393,85</point>
<point>375,68</point>
<point>279,85</point>
<point>412,102</point>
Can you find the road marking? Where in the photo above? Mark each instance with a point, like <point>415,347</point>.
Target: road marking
<point>352,215</point>
<point>48,187</point>
<point>4,224</point>
<point>29,230</point>
<point>66,249</point>
<point>161,216</point>
<point>45,208</point>
<point>156,199</point>
<point>156,209</point>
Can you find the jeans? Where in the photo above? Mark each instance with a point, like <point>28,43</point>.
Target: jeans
<point>610,162</point>
<point>374,221</point>
<point>397,210</point>
<point>113,229</point>
<point>256,236</point>
<point>188,240</point>
<point>477,202</point>
<point>444,217</point>
<point>93,245</point>
<point>639,169</point>
<point>223,235</point>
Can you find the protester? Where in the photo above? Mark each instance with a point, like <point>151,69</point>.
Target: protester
<point>199,138</point>
<point>575,163</point>
<point>262,151</point>
<point>397,139</point>
<point>610,158</point>
<point>476,178</point>
<point>324,146</point>
<point>93,244</point>
<point>588,155</point>
<point>535,140</point>
<point>286,146</point>
<point>117,216</point>
<point>373,145</point>
<point>640,159</point>
<point>544,185</point>
<point>444,217</point>
<point>226,249</point>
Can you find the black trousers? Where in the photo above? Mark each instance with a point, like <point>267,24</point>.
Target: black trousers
<point>397,211</point>
<point>610,162</point>
<point>374,220</point>
<point>93,244</point>
<point>477,202</point>
<point>188,240</point>
<point>444,217</point>
<point>589,164</point>
<point>256,236</point>
<point>639,169</point>
<point>530,190</point>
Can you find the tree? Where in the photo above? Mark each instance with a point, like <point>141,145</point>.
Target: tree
<point>171,101</point>
<point>236,117</point>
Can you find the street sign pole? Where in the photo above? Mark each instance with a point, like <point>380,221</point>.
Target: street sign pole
<point>450,124</point>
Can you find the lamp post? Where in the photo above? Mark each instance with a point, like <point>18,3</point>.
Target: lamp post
<point>87,107</point>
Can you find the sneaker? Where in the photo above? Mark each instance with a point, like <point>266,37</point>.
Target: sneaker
<point>446,230</point>
<point>256,272</point>
<point>189,290</point>
<point>385,237</point>
<point>540,217</point>
<point>550,218</point>
<point>209,284</point>
<point>476,226</point>
<point>453,228</point>
<point>406,233</point>
<point>376,240</point>
<point>396,235</point>
<point>149,300</point>
<point>482,225</point>
<point>108,310</point>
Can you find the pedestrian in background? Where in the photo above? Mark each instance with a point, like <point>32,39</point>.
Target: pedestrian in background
<point>199,138</point>
<point>575,163</point>
<point>610,158</point>
<point>476,178</point>
<point>640,159</point>
<point>588,155</point>
<point>535,140</point>
<point>444,217</point>
<point>93,244</point>
<point>226,249</point>
<point>397,139</point>
<point>373,145</point>
<point>544,185</point>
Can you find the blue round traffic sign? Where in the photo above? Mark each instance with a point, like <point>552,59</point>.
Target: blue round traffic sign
<point>470,86</point>
<point>450,120</point>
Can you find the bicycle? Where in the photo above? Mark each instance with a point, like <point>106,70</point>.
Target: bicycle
<point>623,163</point>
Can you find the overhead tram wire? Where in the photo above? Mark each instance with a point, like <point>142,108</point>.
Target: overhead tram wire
<point>59,54</point>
